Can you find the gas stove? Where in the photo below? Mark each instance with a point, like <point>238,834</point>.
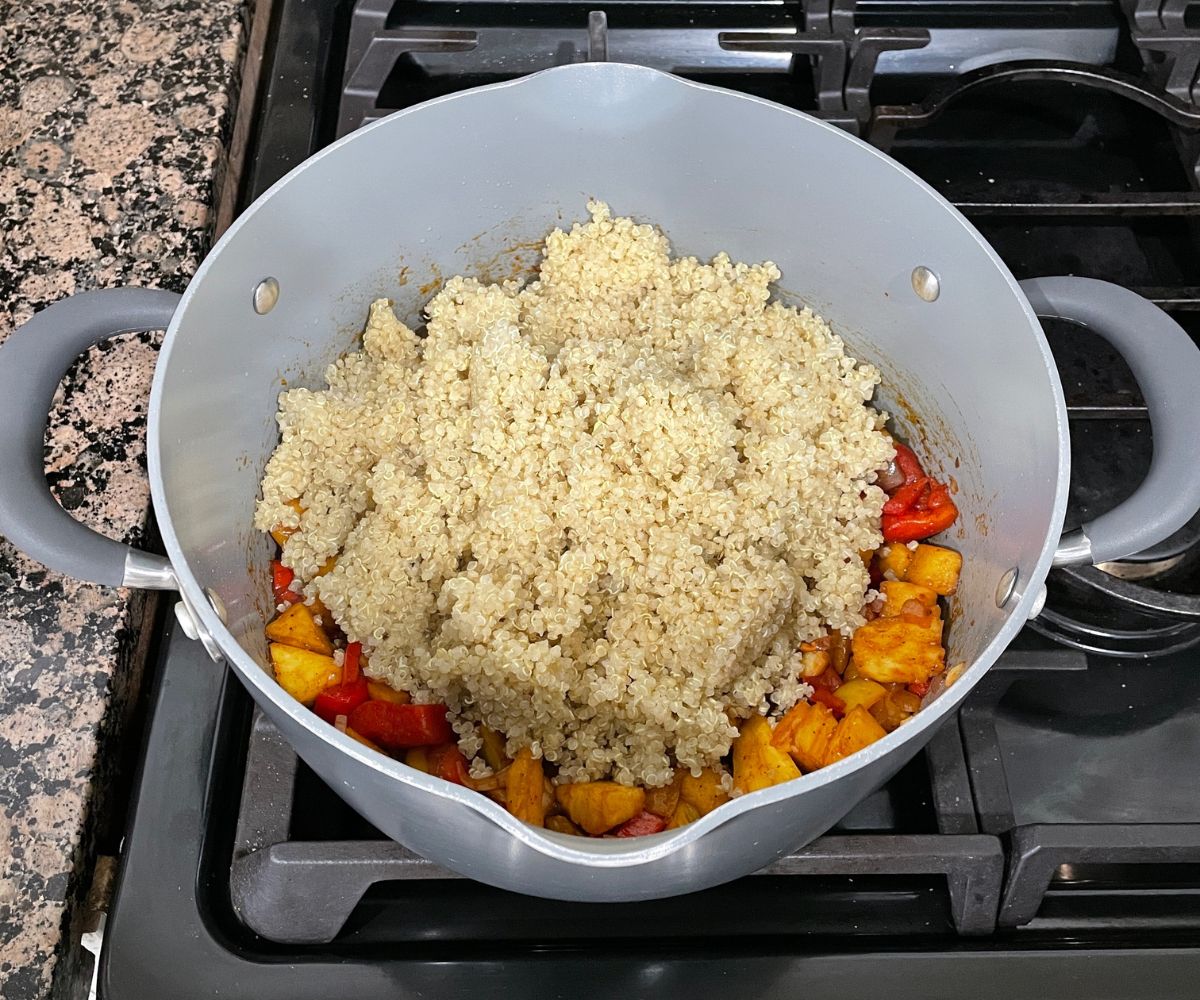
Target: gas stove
<point>1048,839</point>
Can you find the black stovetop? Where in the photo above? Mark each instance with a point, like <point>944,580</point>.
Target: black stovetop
<point>1099,899</point>
<point>1047,842</point>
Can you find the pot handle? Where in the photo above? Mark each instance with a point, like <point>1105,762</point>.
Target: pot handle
<point>1166,365</point>
<point>32,362</point>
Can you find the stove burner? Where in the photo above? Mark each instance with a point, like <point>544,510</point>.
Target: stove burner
<point>1099,613</point>
<point>1147,605</point>
<point>1145,637</point>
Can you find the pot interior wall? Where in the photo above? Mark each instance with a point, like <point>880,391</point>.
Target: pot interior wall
<point>472,184</point>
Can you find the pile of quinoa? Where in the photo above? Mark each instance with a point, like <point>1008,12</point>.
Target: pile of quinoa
<point>598,513</point>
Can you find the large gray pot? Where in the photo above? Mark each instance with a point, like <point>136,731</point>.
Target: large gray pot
<point>457,186</point>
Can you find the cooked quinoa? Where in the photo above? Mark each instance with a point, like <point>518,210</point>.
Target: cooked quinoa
<point>598,513</point>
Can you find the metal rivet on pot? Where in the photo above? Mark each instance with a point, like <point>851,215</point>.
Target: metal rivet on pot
<point>1007,587</point>
<point>266,294</point>
<point>1039,602</point>
<point>925,283</point>
<point>218,605</point>
<point>191,628</point>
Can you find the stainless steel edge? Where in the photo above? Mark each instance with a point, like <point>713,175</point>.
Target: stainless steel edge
<point>147,571</point>
<point>1074,549</point>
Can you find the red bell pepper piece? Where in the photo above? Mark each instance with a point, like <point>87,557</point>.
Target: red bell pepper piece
<point>448,762</point>
<point>828,680</point>
<point>919,688</point>
<point>340,699</point>
<point>914,525</point>
<point>398,727</point>
<point>938,496</point>
<point>643,823</point>
<point>908,463</point>
<point>907,496</point>
<point>917,510</point>
<point>281,579</point>
<point>830,700</point>
<point>281,583</point>
<point>350,662</point>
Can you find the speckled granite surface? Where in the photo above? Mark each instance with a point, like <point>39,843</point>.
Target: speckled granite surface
<point>114,116</point>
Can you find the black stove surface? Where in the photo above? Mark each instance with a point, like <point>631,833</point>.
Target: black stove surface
<point>1047,842</point>
<point>1102,929</point>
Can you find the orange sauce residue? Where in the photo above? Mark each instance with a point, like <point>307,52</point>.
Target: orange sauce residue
<point>515,262</point>
<point>433,284</point>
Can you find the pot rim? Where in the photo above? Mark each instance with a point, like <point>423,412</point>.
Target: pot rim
<point>603,853</point>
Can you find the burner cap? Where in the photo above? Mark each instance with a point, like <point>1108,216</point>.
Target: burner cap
<point>1111,615</point>
<point>1154,640</point>
<point>1135,568</point>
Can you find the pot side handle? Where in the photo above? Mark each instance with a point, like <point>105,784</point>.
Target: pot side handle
<point>1166,365</point>
<point>32,362</point>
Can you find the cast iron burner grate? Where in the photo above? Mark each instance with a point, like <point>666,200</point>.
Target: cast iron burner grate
<point>1064,757</point>
<point>275,876</point>
<point>296,842</point>
<point>181,924</point>
<point>820,56</point>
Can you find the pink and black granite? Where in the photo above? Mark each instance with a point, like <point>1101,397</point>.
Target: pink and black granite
<point>114,118</point>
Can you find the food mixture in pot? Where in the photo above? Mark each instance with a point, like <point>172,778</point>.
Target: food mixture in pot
<point>628,516</point>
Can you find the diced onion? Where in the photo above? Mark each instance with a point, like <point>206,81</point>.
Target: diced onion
<point>915,612</point>
<point>890,477</point>
<point>491,782</point>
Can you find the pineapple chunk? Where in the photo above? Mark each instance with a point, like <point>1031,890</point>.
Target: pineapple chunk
<point>805,732</point>
<point>756,763</point>
<point>895,559</point>
<point>860,691</point>
<point>418,759</point>
<point>302,673</point>
<point>297,626</point>
<point>493,749</point>
<point>378,691</point>
<point>897,594</point>
<point>281,533</point>
<point>363,740</point>
<point>705,792</point>
<point>524,786</point>
<point>684,814</point>
<point>813,662</point>
<point>598,806</point>
<point>857,730</point>
<point>560,824</point>
<point>895,651</point>
<point>936,567</point>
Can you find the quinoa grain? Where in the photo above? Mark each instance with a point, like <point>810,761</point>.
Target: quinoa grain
<point>599,513</point>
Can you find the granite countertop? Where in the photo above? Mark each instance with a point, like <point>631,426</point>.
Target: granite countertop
<point>115,118</point>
